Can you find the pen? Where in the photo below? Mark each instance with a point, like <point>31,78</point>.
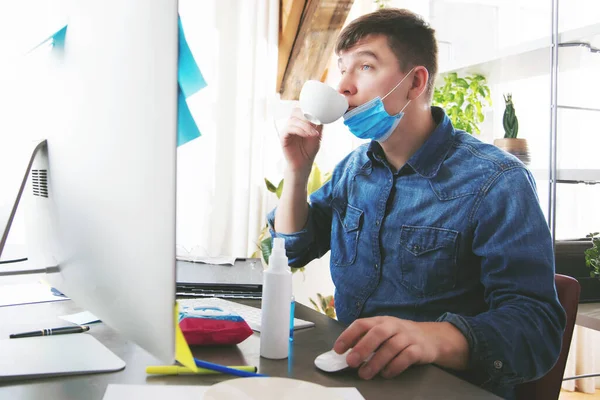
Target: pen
<point>178,370</point>
<point>223,369</point>
<point>51,331</point>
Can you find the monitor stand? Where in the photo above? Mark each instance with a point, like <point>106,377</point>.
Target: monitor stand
<point>42,356</point>
<point>19,167</point>
<point>47,356</point>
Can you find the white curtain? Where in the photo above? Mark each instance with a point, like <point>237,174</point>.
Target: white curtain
<point>220,186</point>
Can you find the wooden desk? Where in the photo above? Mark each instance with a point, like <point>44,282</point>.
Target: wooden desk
<point>423,382</point>
<point>588,316</point>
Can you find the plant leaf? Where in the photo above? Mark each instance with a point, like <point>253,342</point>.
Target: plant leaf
<point>481,91</point>
<point>314,304</point>
<point>460,99</point>
<point>294,270</point>
<point>314,179</point>
<point>279,189</point>
<point>469,111</point>
<point>460,82</point>
<point>265,247</point>
<point>270,186</point>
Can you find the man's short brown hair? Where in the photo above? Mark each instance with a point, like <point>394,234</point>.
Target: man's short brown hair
<point>410,38</point>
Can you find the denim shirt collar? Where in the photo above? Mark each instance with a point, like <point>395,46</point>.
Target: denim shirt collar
<point>428,159</point>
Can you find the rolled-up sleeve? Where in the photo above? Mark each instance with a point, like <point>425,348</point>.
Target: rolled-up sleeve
<point>519,338</point>
<point>314,240</point>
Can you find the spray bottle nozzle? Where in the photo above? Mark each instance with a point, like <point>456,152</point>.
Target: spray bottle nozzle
<point>279,245</point>
<point>278,258</point>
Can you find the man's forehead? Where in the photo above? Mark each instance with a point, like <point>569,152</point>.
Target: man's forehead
<point>370,46</point>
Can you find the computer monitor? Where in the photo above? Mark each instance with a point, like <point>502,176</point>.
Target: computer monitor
<point>107,216</point>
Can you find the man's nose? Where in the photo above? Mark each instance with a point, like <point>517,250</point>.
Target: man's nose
<point>347,86</point>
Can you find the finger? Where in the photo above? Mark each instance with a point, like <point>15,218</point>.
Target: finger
<point>407,357</point>
<point>383,356</point>
<point>302,128</point>
<point>298,130</point>
<point>305,125</point>
<point>353,333</point>
<point>297,113</point>
<point>371,341</point>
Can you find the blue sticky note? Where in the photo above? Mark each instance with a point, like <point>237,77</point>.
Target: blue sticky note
<point>186,126</point>
<point>189,76</point>
<point>58,39</point>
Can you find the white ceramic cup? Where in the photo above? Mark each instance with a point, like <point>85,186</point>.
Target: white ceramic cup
<point>321,104</point>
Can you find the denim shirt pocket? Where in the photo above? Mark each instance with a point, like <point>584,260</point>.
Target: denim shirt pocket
<point>428,259</point>
<point>344,234</point>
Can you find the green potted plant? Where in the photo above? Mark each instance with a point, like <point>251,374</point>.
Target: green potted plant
<point>326,305</point>
<point>592,255</point>
<point>510,143</point>
<point>464,100</point>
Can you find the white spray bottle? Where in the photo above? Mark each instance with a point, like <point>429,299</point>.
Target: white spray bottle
<point>276,295</point>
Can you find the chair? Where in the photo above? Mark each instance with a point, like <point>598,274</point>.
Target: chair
<point>548,386</point>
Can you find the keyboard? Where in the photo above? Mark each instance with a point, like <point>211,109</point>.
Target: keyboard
<point>251,315</point>
<point>232,292</point>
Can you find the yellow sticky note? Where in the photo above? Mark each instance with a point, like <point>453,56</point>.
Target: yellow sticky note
<point>183,354</point>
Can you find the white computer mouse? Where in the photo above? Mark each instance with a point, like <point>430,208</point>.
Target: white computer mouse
<point>331,361</point>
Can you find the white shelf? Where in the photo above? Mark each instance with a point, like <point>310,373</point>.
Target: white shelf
<point>529,59</point>
<point>589,176</point>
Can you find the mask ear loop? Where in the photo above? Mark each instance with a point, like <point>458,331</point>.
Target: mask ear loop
<point>401,111</point>
<point>399,83</point>
<point>406,105</point>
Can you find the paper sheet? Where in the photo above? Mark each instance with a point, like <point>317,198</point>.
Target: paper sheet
<point>27,293</point>
<point>224,260</point>
<point>159,392</point>
<point>81,318</point>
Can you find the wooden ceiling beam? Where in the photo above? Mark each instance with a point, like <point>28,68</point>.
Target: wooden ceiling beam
<point>317,30</point>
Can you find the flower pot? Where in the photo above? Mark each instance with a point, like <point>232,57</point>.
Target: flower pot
<point>516,147</point>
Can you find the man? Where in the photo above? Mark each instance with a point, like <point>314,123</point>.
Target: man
<point>440,252</point>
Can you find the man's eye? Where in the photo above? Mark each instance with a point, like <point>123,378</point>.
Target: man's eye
<point>365,67</point>
<point>343,72</point>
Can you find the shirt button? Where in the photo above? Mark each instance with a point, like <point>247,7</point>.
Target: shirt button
<point>416,247</point>
<point>358,304</point>
<point>376,266</point>
<point>498,364</point>
<point>377,222</point>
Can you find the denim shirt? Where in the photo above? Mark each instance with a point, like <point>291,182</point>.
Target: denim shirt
<point>456,235</point>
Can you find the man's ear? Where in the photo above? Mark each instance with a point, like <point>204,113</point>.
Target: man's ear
<point>419,82</point>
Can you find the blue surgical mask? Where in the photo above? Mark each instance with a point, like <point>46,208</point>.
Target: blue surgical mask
<point>371,121</point>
